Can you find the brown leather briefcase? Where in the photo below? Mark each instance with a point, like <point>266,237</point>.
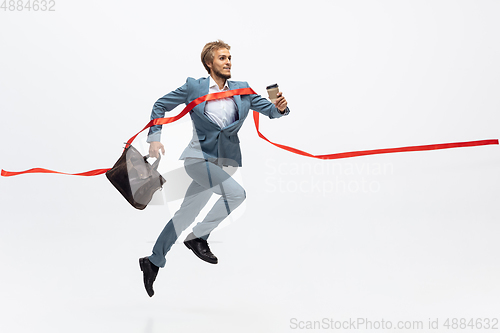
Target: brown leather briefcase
<point>135,178</point>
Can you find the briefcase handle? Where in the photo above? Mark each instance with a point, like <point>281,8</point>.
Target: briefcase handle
<point>156,163</point>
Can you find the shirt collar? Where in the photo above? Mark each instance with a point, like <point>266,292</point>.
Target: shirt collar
<point>214,84</point>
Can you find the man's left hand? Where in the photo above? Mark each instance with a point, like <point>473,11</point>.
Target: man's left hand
<point>281,102</point>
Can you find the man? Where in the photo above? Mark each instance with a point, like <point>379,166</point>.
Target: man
<point>214,144</point>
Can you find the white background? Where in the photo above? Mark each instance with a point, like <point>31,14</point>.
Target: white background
<point>407,236</point>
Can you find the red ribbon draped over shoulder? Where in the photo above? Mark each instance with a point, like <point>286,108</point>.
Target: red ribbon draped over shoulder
<point>249,91</point>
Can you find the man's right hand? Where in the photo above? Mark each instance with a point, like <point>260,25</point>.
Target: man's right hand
<point>154,147</point>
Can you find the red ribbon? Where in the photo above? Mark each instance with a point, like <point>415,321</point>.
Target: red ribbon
<point>157,121</point>
<point>375,151</point>
<point>41,170</point>
<point>190,106</point>
<point>249,91</point>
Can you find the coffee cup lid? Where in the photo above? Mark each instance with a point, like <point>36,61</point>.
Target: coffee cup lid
<point>272,86</point>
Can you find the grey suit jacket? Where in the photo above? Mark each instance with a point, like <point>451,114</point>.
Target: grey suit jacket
<point>219,145</point>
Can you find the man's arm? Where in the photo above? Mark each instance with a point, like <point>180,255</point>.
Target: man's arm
<point>264,106</point>
<point>162,105</point>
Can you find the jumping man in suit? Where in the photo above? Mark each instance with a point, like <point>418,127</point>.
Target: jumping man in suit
<point>214,144</point>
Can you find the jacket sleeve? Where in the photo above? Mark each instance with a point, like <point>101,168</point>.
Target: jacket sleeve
<point>264,106</point>
<point>164,104</point>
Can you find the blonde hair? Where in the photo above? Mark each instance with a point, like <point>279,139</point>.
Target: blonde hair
<point>207,55</point>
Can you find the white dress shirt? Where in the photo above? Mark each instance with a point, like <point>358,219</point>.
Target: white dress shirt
<point>224,111</point>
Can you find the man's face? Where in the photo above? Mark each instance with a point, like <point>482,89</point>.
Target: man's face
<point>221,65</point>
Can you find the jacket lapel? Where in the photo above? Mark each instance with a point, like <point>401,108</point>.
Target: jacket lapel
<point>204,87</point>
<point>237,98</point>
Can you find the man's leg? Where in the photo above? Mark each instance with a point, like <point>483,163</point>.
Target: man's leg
<point>207,178</point>
<point>232,195</point>
<point>213,177</point>
<point>195,199</point>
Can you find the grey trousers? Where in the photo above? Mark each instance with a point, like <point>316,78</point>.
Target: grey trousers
<point>208,178</point>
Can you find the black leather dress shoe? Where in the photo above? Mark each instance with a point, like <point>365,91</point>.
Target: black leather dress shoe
<point>150,272</point>
<point>200,247</point>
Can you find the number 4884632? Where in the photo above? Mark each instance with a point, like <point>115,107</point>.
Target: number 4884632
<point>29,5</point>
